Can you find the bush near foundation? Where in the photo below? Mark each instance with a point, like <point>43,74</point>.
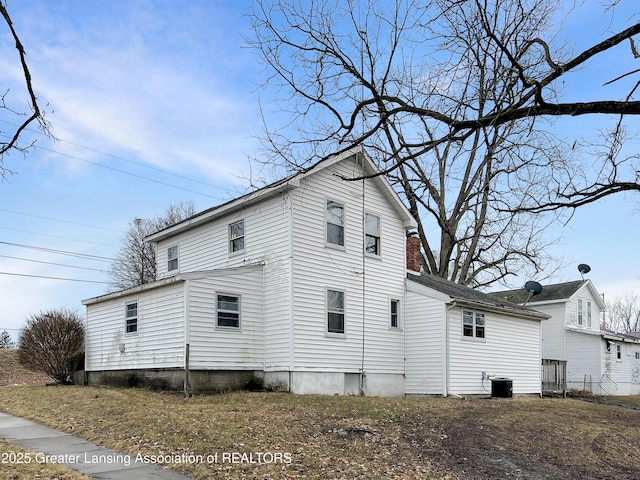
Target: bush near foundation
<point>53,342</point>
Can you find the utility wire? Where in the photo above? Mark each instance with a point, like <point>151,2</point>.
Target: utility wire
<point>140,164</point>
<point>58,220</point>
<point>52,278</point>
<point>61,252</point>
<point>56,236</point>
<point>52,263</point>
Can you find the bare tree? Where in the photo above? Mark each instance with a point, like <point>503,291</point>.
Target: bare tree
<point>623,314</point>
<point>53,342</point>
<point>455,102</point>
<point>23,119</point>
<point>135,262</point>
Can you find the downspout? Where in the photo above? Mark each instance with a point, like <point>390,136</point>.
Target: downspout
<point>446,367</point>
<point>187,314</point>
<point>364,285</point>
<point>291,296</point>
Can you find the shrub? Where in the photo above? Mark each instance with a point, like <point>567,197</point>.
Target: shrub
<point>53,342</point>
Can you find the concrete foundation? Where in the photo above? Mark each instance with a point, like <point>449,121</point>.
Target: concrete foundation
<point>201,381</point>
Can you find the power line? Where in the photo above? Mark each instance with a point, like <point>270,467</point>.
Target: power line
<point>58,220</point>
<point>61,252</point>
<point>123,171</point>
<point>56,236</point>
<point>140,164</point>
<point>52,263</point>
<point>52,278</point>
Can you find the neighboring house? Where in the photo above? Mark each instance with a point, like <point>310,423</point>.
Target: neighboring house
<point>596,360</point>
<point>302,285</point>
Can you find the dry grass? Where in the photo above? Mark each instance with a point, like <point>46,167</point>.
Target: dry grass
<point>348,437</point>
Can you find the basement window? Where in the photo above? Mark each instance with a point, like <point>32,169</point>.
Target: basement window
<point>228,310</point>
<point>473,324</point>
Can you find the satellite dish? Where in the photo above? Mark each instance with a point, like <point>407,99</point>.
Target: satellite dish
<point>533,288</point>
<point>584,268</point>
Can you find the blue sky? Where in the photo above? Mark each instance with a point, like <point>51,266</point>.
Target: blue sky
<point>155,103</point>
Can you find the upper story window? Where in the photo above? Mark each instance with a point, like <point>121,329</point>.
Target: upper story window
<point>131,317</point>
<point>588,314</point>
<point>618,352</point>
<point>473,324</point>
<point>580,318</point>
<point>228,310</point>
<point>371,234</point>
<point>395,313</point>
<point>172,258</point>
<point>335,223</point>
<point>236,236</point>
<point>335,311</point>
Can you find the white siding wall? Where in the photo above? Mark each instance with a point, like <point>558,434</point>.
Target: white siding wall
<point>553,331</point>
<point>511,348</point>
<point>583,360</point>
<point>159,342</point>
<point>585,295</point>
<point>425,344</point>
<point>620,376</point>
<point>267,240</point>
<point>318,267</point>
<point>217,348</point>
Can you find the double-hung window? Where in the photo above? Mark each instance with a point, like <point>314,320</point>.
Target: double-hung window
<point>473,324</point>
<point>580,319</point>
<point>236,236</point>
<point>228,310</point>
<point>588,314</point>
<point>335,223</point>
<point>335,311</point>
<point>131,317</point>
<point>395,313</point>
<point>172,258</point>
<point>372,234</point>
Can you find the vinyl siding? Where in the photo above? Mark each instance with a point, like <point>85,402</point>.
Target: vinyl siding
<point>583,359</point>
<point>159,342</point>
<point>318,267</point>
<point>213,347</point>
<point>425,344</point>
<point>511,348</point>
<point>553,331</point>
<point>267,241</point>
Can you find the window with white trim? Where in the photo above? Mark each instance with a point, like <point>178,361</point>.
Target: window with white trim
<point>236,236</point>
<point>588,314</point>
<point>473,324</point>
<point>394,313</point>
<point>335,223</point>
<point>637,355</point>
<point>619,352</point>
<point>580,319</point>
<point>227,310</point>
<point>335,311</point>
<point>131,317</point>
<point>371,234</point>
<point>172,258</point>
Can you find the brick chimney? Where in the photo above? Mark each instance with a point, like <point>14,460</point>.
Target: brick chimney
<point>414,256</point>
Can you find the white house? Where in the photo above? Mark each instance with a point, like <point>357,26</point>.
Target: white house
<point>596,360</point>
<point>302,285</point>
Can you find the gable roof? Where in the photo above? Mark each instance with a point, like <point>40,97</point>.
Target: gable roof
<point>288,183</point>
<point>554,293</point>
<point>465,296</point>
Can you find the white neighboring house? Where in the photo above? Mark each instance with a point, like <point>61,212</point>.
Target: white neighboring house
<point>302,285</point>
<point>597,361</point>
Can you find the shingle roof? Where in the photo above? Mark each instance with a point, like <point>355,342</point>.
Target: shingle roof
<point>557,291</point>
<point>468,295</point>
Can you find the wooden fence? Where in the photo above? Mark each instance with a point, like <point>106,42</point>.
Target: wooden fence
<point>554,376</point>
